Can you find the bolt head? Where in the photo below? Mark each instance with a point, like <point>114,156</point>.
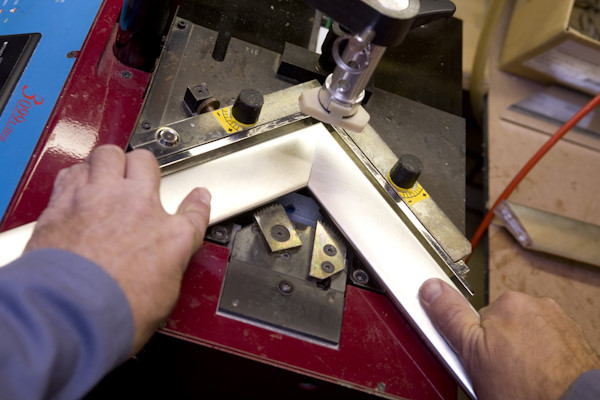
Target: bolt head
<point>280,233</point>
<point>330,250</point>
<point>286,287</point>
<point>327,267</point>
<point>360,276</point>
<point>167,137</point>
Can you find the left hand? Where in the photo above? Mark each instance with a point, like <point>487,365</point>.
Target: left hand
<point>108,210</point>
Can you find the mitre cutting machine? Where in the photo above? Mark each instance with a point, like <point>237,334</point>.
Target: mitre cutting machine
<point>320,234</point>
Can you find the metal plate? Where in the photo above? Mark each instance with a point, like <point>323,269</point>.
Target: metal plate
<point>272,289</point>
<point>277,229</point>
<point>328,255</point>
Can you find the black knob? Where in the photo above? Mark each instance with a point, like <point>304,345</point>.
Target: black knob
<point>406,171</point>
<point>247,106</point>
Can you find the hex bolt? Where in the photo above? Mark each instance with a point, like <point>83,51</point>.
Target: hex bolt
<point>330,250</point>
<point>286,287</point>
<point>327,267</point>
<point>220,233</point>
<point>167,137</point>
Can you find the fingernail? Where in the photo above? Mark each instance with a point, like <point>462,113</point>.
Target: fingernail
<point>430,290</point>
<point>204,195</point>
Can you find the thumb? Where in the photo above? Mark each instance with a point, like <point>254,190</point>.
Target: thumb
<point>196,208</point>
<point>450,312</point>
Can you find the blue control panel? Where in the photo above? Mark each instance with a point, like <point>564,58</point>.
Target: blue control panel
<point>38,39</point>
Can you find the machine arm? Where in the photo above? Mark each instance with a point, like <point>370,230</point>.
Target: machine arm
<point>377,24</point>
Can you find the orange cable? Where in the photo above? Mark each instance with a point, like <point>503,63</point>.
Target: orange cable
<point>485,223</point>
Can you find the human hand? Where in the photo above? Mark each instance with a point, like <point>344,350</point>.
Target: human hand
<point>108,210</point>
<point>522,347</point>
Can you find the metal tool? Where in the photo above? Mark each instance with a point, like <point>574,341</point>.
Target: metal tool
<point>377,24</point>
<point>551,233</point>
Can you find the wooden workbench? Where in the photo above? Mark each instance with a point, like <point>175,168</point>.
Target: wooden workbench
<point>566,182</point>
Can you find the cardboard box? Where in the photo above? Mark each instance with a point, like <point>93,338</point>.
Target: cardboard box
<point>542,44</point>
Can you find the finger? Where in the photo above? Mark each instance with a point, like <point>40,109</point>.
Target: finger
<point>142,166</point>
<point>450,312</point>
<point>107,163</point>
<point>69,179</point>
<point>196,208</point>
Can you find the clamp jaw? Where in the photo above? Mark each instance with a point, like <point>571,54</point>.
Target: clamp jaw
<point>379,24</point>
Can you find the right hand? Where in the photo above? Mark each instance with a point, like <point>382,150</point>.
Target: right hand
<point>519,347</point>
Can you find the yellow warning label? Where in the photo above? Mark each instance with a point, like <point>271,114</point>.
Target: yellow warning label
<point>414,195</point>
<point>230,124</point>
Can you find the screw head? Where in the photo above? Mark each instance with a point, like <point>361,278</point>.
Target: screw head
<point>146,125</point>
<point>280,233</point>
<point>330,250</point>
<point>181,24</point>
<point>126,74</point>
<point>360,276</point>
<point>200,90</point>
<point>327,267</point>
<point>167,137</point>
<point>220,233</point>
<point>285,287</point>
